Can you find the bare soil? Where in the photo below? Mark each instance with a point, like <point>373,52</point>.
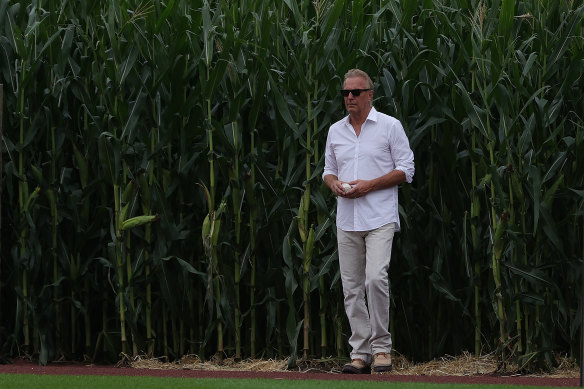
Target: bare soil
<point>462,369</point>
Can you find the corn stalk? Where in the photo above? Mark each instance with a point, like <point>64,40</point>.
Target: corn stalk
<point>237,199</point>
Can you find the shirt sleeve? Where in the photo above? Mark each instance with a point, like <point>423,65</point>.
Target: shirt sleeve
<point>330,162</point>
<point>402,154</point>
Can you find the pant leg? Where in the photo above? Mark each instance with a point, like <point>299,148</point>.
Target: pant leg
<point>378,245</point>
<point>352,265</point>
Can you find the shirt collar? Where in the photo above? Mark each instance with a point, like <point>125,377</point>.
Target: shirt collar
<point>371,116</point>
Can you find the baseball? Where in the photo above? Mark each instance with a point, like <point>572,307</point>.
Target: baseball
<point>346,187</point>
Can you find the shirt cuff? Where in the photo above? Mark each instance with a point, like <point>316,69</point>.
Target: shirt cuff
<point>408,172</point>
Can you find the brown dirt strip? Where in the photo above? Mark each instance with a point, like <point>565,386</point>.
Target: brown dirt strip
<point>25,367</point>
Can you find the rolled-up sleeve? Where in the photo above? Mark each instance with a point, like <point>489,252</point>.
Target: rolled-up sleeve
<point>402,154</point>
<point>330,162</point>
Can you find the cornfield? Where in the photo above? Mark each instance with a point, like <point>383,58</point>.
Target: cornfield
<point>162,161</point>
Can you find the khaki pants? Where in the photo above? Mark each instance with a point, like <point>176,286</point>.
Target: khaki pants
<point>364,262</point>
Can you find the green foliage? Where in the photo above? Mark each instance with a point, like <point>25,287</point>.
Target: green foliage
<point>117,113</point>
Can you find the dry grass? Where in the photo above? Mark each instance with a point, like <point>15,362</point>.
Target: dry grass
<point>462,365</point>
<point>193,362</point>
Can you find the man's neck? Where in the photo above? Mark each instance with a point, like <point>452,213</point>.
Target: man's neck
<point>359,120</point>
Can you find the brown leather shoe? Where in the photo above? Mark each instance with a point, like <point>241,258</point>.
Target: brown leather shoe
<point>357,366</point>
<point>381,362</point>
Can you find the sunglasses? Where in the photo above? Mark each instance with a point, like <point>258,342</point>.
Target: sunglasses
<point>354,92</point>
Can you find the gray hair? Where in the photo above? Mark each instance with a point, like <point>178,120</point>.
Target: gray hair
<point>359,73</point>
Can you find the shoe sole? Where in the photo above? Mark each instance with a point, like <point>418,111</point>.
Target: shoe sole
<point>354,370</point>
<point>382,369</point>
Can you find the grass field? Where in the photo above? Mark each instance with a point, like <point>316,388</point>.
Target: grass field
<point>26,381</point>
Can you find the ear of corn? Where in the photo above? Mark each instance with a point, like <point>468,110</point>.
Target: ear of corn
<point>137,221</point>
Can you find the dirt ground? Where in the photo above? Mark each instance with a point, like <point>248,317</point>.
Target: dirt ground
<point>462,369</point>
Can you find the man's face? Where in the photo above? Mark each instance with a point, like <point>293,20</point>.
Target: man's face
<point>357,105</point>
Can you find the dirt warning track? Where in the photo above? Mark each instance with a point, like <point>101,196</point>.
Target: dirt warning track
<point>26,367</point>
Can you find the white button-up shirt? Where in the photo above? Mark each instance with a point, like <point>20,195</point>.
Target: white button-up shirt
<point>381,147</point>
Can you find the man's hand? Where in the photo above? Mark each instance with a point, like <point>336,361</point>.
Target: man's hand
<point>337,188</point>
<point>359,188</point>
<point>335,185</point>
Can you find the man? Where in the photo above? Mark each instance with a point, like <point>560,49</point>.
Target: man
<point>369,151</point>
